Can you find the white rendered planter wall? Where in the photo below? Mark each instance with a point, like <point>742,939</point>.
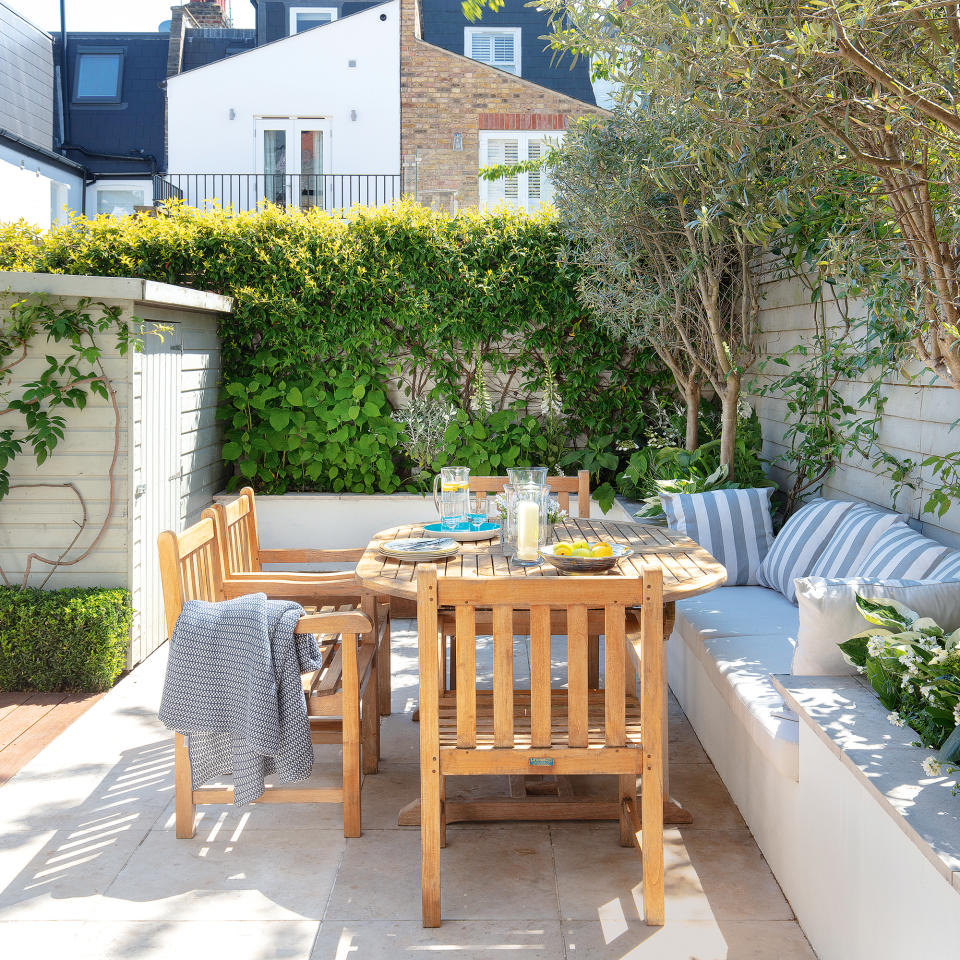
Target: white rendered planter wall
<point>312,520</point>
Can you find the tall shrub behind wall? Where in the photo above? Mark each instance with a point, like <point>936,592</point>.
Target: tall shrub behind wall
<point>332,312</point>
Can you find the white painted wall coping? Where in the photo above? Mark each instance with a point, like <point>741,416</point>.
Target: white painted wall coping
<point>115,288</point>
<point>847,717</point>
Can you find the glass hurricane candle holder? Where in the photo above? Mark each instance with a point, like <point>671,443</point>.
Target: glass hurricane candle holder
<point>528,508</point>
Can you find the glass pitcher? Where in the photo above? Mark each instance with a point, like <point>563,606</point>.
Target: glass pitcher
<point>451,495</point>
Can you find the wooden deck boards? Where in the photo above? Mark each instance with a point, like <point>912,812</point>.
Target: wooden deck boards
<point>29,721</point>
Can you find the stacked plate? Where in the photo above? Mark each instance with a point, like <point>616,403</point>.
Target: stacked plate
<point>419,549</point>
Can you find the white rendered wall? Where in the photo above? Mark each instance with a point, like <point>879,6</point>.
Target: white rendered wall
<point>24,194</point>
<point>302,76</point>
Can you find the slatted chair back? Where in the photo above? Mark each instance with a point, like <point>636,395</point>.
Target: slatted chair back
<point>510,731</point>
<point>190,568</point>
<point>239,534</point>
<point>561,486</point>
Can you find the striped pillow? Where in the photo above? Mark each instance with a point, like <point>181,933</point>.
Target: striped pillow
<point>903,554</point>
<point>733,525</point>
<point>800,543</point>
<point>948,568</point>
<point>853,541</point>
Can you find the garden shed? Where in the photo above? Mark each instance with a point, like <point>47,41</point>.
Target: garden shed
<point>141,458</point>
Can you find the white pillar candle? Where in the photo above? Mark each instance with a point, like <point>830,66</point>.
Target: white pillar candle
<point>528,529</point>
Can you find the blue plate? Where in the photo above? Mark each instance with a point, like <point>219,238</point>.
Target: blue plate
<point>464,532</point>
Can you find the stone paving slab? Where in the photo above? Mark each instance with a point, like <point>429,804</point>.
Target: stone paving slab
<point>90,866</point>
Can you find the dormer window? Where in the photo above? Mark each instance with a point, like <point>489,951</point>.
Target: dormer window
<point>306,18</point>
<point>99,76</point>
<point>498,46</point>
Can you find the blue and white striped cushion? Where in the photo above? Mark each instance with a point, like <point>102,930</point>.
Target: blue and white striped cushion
<point>733,525</point>
<point>903,554</point>
<point>799,544</point>
<point>948,568</point>
<point>853,541</point>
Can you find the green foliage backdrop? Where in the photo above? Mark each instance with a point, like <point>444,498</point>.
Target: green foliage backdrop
<point>330,313</point>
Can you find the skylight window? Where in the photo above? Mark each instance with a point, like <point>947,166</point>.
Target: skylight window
<point>99,76</point>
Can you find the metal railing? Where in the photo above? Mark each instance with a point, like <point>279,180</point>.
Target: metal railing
<point>164,190</point>
<point>247,191</point>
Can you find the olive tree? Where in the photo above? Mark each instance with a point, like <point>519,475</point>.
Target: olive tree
<point>869,88</point>
<point>666,221</point>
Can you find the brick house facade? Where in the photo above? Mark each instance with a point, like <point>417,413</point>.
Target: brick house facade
<point>446,100</point>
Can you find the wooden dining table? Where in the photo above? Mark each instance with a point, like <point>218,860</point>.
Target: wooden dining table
<point>688,570</point>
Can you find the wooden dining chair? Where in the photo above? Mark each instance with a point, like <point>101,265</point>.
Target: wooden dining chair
<point>576,730</point>
<point>341,697</point>
<point>561,486</point>
<point>243,556</point>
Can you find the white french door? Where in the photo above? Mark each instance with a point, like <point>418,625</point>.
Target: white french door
<point>292,158</point>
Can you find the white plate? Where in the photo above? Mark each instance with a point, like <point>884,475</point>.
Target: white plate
<point>419,548</point>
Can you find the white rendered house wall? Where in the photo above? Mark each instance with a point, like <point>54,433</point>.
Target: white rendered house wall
<point>341,80</point>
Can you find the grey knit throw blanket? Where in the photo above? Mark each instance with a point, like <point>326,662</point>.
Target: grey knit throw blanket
<point>233,687</point>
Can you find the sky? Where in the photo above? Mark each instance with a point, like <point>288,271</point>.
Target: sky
<point>142,16</point>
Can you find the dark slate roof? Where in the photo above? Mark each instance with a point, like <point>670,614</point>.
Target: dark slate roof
<point>132,128</point>
<point>209,44</point>
<point>26,79</point>
<point>444,22</point>
<point>273,16</point>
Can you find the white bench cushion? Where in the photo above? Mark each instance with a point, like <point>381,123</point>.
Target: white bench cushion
<point>738,611</point>
<point>741,669</point>
<point>743,635</point>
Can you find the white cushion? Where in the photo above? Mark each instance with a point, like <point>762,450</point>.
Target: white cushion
<point>853,541</point>
<point>829,615</point>
<point>733,525</point>
<point>800,543</point>
<point>737,611</point>
<point>741,669</point>
<point>902,554</point>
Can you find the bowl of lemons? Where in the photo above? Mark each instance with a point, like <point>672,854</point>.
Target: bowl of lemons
<point>584,557</point>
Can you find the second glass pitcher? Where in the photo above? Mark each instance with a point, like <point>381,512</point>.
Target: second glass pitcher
<point>451,495</point>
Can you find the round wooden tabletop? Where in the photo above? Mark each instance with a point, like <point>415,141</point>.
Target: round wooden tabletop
<point>687,568</point>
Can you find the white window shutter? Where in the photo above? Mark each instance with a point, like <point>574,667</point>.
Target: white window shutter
<point>503,49</point>
<point>503,150</point>
<point>480,47</point>
<point>534,152</point>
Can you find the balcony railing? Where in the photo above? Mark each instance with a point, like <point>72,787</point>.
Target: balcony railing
<point>247,191</point>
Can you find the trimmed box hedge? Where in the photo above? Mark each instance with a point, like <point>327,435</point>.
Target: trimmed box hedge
<point>70,639</point>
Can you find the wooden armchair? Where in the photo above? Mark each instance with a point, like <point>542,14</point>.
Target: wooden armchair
<point>573,731</point>
<point>341,697</point>
<point>243,557</point>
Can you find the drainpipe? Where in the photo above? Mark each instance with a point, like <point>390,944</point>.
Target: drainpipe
<point>64,79</point>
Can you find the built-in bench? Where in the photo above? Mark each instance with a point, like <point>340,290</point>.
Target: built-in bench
<point>866,850</point>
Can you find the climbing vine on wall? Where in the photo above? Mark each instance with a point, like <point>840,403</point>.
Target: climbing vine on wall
<point>35,422</point>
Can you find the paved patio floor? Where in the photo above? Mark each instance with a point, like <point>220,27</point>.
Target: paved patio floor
<point>90,867</point>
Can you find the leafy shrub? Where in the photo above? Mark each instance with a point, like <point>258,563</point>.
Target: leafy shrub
<point>403,297</point>
<point>70,639</point>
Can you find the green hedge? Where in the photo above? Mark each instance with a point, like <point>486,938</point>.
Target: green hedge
<point>330,312</point>
<point>70,639</point>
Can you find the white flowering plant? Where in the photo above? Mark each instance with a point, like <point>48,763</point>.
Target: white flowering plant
<point>913,665</point>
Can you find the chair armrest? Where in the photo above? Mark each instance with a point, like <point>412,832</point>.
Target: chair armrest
<point>303,591</point>
<point>352,621</point>
<point>347,555</point>
<point>292,576</point>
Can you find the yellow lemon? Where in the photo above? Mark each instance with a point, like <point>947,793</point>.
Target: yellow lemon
<point>454,486</point>
<point>580,545</point>
<point>562,549</point>
<point>601,550</point>
<point>581,552</point>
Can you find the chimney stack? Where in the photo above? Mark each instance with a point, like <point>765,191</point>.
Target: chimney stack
<point>208,13</point>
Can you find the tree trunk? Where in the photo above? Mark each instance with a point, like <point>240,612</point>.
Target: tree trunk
<point>728,421</point>
<point>691,398</point>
